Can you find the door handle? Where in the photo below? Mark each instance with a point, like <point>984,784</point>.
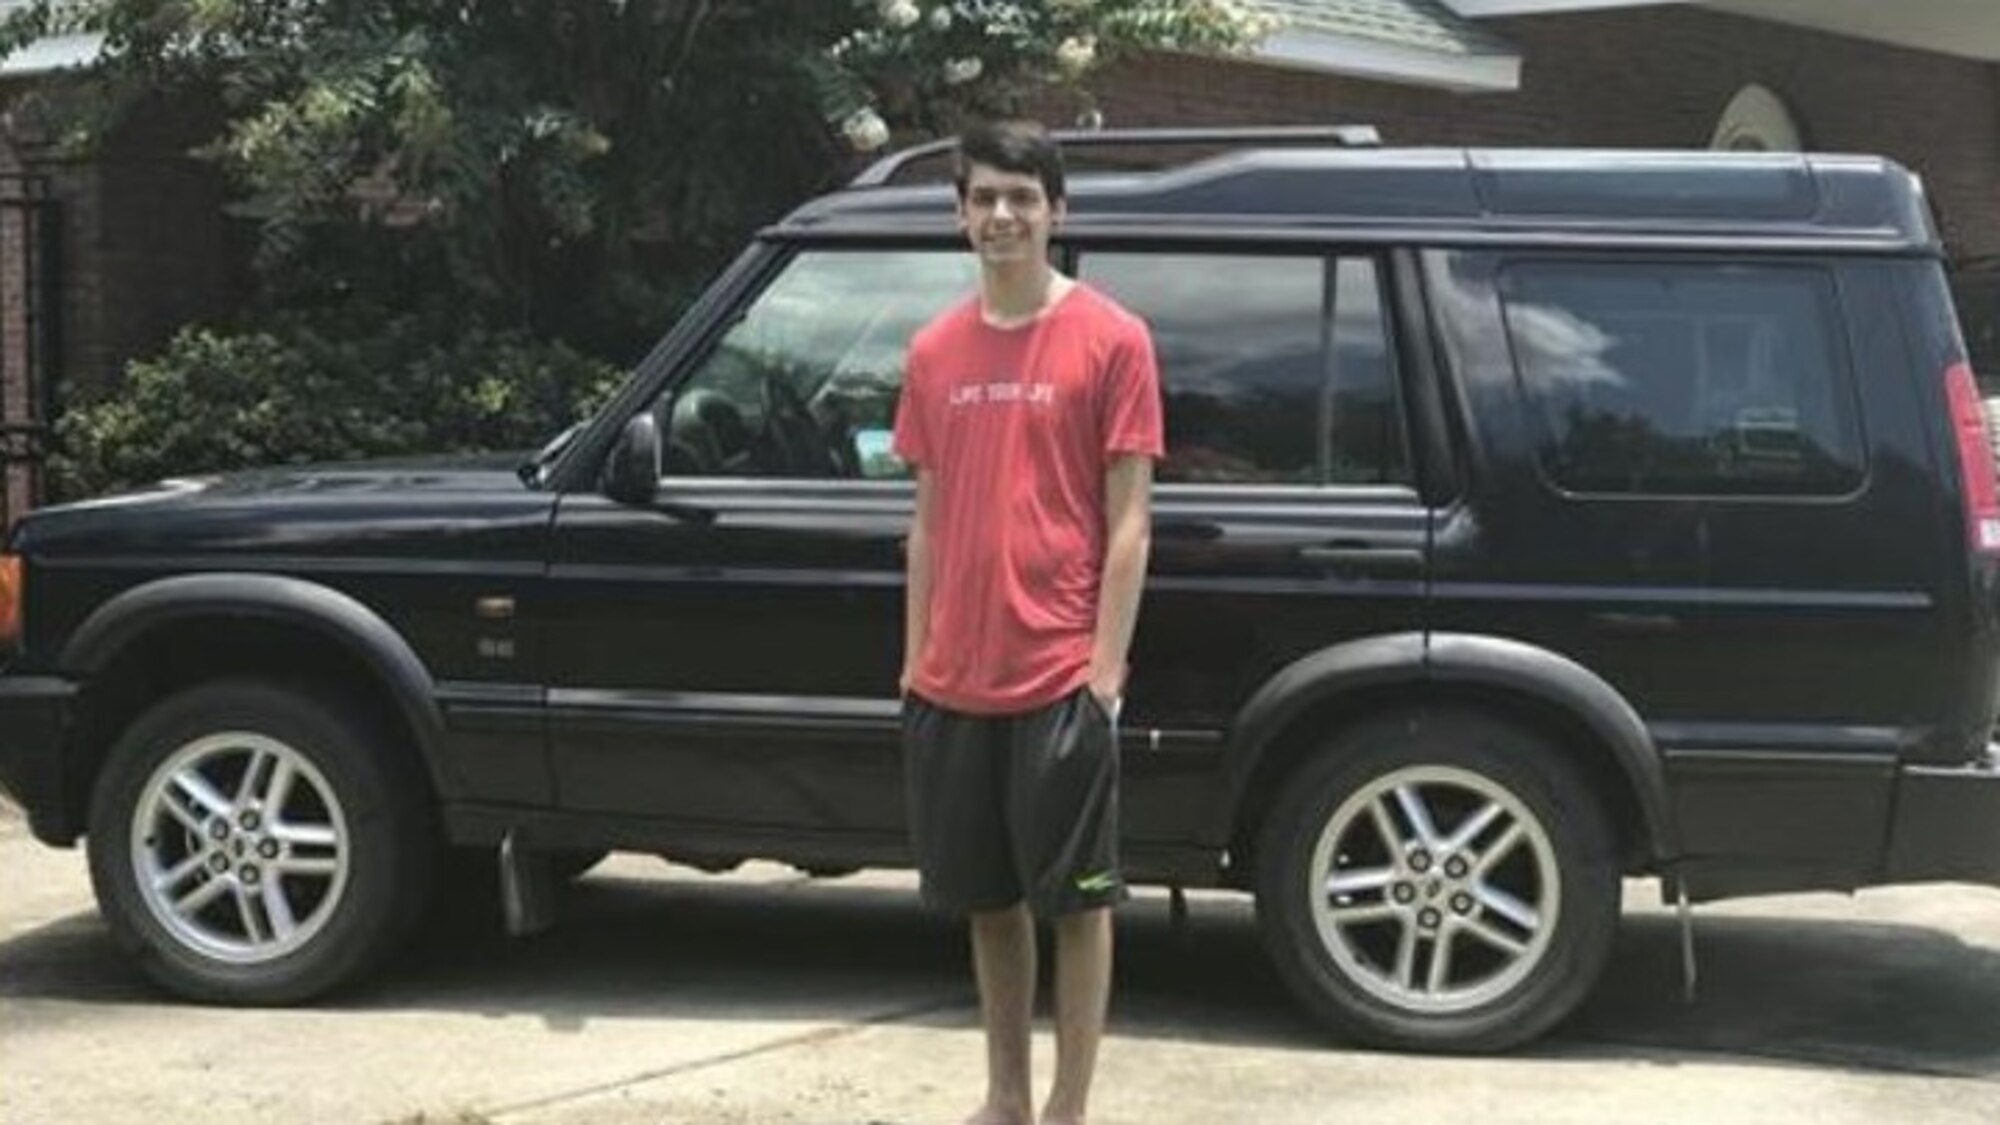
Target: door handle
<point>1373,560</point>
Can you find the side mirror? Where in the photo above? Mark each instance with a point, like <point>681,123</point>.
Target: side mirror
<point>632,475</point>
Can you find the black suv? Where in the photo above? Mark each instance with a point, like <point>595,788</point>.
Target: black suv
<point>1529,519</point>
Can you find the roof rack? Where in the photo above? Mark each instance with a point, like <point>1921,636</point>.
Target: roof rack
<point>1305,136</point>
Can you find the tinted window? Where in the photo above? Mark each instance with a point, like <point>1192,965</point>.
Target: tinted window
<point>805,384</point>
<point>1242,346</point>
<point>1685,380</point>
<point>1978,300</point>
<point>1366,443</point>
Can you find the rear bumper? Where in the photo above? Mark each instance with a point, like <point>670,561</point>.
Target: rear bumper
<point>1947,824</point>
<point>34,720</point>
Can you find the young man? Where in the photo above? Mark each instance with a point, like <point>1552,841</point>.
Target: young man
<point>1031,416</point>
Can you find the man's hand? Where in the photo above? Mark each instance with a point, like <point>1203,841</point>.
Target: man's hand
<point>1108,687</point>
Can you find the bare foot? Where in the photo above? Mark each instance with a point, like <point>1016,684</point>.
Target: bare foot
<point>997,1115</point>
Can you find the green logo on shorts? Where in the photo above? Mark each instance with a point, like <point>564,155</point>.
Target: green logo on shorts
<point>1102,881</point>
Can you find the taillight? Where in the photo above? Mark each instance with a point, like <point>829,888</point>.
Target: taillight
<point>10,601</point>
<point>1975,459</point>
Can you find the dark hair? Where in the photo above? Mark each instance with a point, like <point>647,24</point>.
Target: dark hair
<point>1011,146</point>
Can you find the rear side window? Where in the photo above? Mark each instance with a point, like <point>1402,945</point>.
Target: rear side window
<point>1262,386</point>
<point>1978,301</point>
<point>1676,379</point>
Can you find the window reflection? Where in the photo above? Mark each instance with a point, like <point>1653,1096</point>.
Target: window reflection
<point>1250,397</point>
<point>805,384</point>
<point>1685,380</point>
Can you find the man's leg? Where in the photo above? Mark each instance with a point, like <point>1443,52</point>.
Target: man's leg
<point>1083,992</point>
<point>962,847</point>
<point>1065,821</point>
<point>1003,958</point>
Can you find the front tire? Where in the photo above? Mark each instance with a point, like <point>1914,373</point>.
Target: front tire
<point>257,843</point>
<point>1437,880</point>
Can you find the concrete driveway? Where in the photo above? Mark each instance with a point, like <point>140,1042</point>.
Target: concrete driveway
<point>669,996</point>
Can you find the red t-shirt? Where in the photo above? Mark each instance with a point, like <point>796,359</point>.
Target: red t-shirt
<point>1017,426</point>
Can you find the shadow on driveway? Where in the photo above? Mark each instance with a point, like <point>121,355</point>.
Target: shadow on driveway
<point>1812,992</point>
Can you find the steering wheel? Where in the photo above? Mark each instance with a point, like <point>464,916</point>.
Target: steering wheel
<point>791,432</point>
<point>837,431</point>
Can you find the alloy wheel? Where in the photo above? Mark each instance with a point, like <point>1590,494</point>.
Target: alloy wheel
<point>1435,889</point>
<point>239,847</point>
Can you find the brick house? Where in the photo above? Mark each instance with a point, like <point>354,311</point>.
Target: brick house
<point>141,243</point>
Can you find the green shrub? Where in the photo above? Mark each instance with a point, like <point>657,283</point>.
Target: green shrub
<point>322,389</point>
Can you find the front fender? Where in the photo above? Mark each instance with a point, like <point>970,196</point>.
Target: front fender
<point>337,616</point>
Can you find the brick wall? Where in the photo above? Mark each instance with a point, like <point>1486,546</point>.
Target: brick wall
<point>15,392</point>
<point>143,247</point>
<point>144,244</point>
<point>13,383</point>
<point>13,336</point>
<point>151,249</point>
<point>1655,77</point>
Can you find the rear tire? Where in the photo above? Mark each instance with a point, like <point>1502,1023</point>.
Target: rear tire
<point>258,843</point>
<point>1437,880</point>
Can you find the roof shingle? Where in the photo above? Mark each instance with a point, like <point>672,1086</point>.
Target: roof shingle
<point>1425,25</point>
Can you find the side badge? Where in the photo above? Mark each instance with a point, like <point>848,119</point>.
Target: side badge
<point>497,607</point>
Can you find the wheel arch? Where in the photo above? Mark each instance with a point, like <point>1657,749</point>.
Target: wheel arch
<point>1290,717</point>
<point>164,636</point>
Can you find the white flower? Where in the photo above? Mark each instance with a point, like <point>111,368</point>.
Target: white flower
<point>957,72</point>
<point>1076,54</point>
<point>941,18</point>
<point>1245,21</point>
<point>898,14</point>
<point>865,130</point>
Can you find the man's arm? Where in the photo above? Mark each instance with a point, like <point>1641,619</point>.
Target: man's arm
<point>1128,540</point>
<point>917,595</point>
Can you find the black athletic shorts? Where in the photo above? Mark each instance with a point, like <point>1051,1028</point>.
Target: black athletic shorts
<point>1006,808</point>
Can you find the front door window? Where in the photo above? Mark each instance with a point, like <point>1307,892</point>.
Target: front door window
<point>805,385</point>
